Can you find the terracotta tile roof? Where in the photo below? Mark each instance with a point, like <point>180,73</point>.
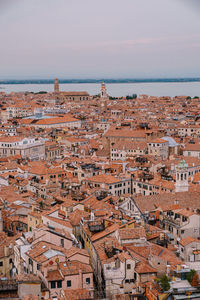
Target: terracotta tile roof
<point>109,230</point>
<point>185,212</point>
<point>103,178</point>
<point>77,294</point>
<point>74,250</point>
<point>125,133</point>
<point>183,199</point>
<point>158,141</point>
<point>192,147</point>
<point>54,275</point>
<point>65,223</point>
<point>132,233</point>
<point>49,121</point>
<point>74,267</point>
<point>76,216</point>
<point>144,252</point>
<point>144,267</point>
<point>189,239</point>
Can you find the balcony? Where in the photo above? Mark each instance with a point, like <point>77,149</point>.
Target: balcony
<point>172,221</point>
<point>8,285</point>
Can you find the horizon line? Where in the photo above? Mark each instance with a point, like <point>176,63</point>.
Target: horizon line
<point>100,79</point>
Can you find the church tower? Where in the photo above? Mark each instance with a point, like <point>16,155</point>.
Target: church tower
<point>56,86</point>
<point>104,94</point>
<point>182,177</point>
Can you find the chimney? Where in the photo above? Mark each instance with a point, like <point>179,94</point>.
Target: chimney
<point>81,278</point>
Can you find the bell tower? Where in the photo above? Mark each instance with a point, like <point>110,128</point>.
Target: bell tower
<point>182,177</point>
<point>103,93</point>
<point>56,86</point>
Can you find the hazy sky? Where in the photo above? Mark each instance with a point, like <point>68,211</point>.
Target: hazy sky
<point>99,38</point>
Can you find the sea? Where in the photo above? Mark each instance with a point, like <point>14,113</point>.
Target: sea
<point>158,89</point>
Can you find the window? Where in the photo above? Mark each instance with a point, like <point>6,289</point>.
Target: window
<point>129,280</point>
<point>135,276</point>
<point>126,280</point>
<point>117,263</point>
<point>88,280</point>
<point>69,283</point>
<point>10,261</point>
<point>128,266</point>
<point>182,231</point>
<point>53,284</point>
<point>62,242</point>
<point>1,264</point>
<point>184,219</point>
<point>38,267</point>
<point>59,284</point>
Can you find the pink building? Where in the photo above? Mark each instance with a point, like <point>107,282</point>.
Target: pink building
<point>68,275</point>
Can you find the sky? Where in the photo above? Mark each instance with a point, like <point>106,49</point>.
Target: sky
<point>99,39</point>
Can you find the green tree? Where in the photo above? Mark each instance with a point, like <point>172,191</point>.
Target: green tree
<point>164,282</point>
<point>41,204</point>
<point>190,275</point>
<point>41,92</point>
<point>134,96</point>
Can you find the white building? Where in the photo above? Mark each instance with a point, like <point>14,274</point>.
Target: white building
<point>30,148</point>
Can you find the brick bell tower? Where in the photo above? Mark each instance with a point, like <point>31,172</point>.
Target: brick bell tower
<point>56,86</point>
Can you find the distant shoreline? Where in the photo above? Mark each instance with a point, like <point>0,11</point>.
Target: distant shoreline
<point>111,81</point>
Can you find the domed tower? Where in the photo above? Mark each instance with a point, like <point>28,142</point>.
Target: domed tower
<point>182,177</point>
<point>56,86</point>
<point>104,94</point>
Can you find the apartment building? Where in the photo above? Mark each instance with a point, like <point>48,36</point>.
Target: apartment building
<point>124,150</point>
<point>30,148</point>
<point>16,111</point>
<point>192,150</point>
<point>186,130</point>
<point>159,148</point>
<point>181,223</point>
<point>111,184</point>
